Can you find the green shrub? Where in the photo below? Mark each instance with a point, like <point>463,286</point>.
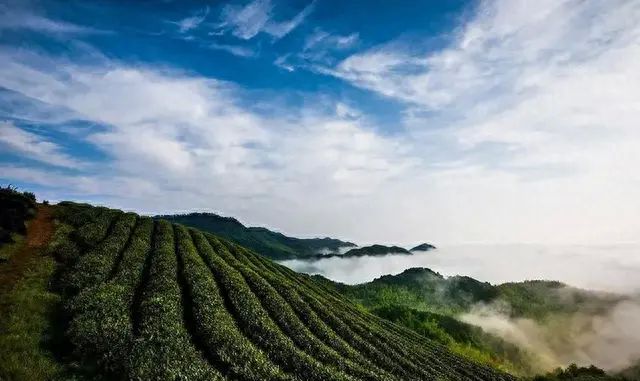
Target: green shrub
<point>162,348</point>
<point>283,314</point>
<point>215,325</point>
<point>357,365</point>
<point>159,301</point>
<point>102,327</point>
<point>95,266</point>
<point>92,233</point>
<point>256,323</point>
<point>15,208</point>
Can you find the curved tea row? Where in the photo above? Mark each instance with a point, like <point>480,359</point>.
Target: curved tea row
<point>151,300</point>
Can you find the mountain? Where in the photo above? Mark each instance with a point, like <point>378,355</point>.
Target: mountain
<point>374,250</point>
<point>264,241</point>
<point>423,247</point>
<point>16,207</point>
<point>431,304</point>
<point>424,289</point>
<point>132,297</point>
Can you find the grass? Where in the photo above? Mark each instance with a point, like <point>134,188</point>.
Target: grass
<point>7,250</point>
<point>155,300</point>
<point>27,331</point>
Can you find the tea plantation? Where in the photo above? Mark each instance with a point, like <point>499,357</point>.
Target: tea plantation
<point>149,300</point>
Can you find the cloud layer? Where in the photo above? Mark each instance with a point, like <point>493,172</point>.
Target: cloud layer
<point>519,126</point>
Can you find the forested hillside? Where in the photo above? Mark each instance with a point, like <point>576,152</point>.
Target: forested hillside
<point>264,241</point>
<point>424,289</point>
<point>431,304</point>
<point>147,299</point>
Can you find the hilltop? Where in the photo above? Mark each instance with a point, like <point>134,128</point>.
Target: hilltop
<point>432,304</point>
<point>374,250</point>
<point>262,240</point>
<point>140,298</point>
<point>423,247</point>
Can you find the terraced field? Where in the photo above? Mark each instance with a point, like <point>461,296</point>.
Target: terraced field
<point>151,300</point>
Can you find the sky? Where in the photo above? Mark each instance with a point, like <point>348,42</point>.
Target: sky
<point>505,121</point>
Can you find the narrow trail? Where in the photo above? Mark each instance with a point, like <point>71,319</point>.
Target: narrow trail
<point>39,234</point>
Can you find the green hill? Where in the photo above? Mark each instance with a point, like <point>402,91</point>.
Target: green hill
<point>144,299</point>
<point>16,207</point>
<point>424,289</point>
<point>264,241</point>
<point>374,250</point>
<point>429,303</point>
<point>423,247</point>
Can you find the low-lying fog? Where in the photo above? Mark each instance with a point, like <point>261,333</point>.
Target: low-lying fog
<point>610,340</point>
<point>609,268</point>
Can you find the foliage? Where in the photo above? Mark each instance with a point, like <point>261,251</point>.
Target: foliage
<point>465,339</point>
<point>264,241</point>
<point>16,207</point>
<point>163,348</point>
<point>375,250</point>
<point>576,373</point>
<point>155,300</point>
<point>28,329</point>
<point>428,303</point>
<point>421,289</point>
<point>538,299</point>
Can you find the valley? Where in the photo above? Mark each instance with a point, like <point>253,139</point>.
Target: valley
<point>110,288</point>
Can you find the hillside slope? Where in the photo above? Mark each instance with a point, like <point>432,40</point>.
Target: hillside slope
<point>424,289</point>
<point>147,299</point>
<point>264,241</point>
<point>431,305</point>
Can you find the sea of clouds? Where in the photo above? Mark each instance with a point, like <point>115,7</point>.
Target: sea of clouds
<point>612,268</point>
<point>610,340</point>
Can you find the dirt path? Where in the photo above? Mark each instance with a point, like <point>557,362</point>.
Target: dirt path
<point>39,233</point>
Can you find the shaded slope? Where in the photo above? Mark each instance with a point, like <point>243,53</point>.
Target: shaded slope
<point>423,247</point>
<point>153,300</point>
<point>375,250</point>
<point>429,303</point>
<point>424,289</point>
<point>264,241</point>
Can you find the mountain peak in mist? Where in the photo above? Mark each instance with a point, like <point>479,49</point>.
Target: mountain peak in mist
<point>423,247</point>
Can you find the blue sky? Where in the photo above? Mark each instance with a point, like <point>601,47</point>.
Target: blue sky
<point>457,121</point>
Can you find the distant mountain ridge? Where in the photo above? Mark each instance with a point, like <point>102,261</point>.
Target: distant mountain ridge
<point>375,250</point>
<point>271,244</point>
<point>423,247</point>
<point>431,304</point>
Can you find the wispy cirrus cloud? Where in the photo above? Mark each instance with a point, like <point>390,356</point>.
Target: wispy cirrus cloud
<point>192,22</point>
<point>164,128</point>
<point>245,22</point>
<point>34,146</point>
<point>319,48</point>
<point>326,40</point>
<point>20,18</point>
<point>281,29</point>
<point>517,124</point>
<point>236,50</point>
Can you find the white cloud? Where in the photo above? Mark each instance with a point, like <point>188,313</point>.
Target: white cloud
<point>236,50</point>
<point>182,132</point>
<point>282,63</point>
<point>325,40</point>
<point>247,21</point>
<point>532,111</point>
<point>192,22</point>
<point>319,49</point>
<point>522,129</point>
<point>34,146</point>
<point>17,18</point>
<point>281,29</point>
